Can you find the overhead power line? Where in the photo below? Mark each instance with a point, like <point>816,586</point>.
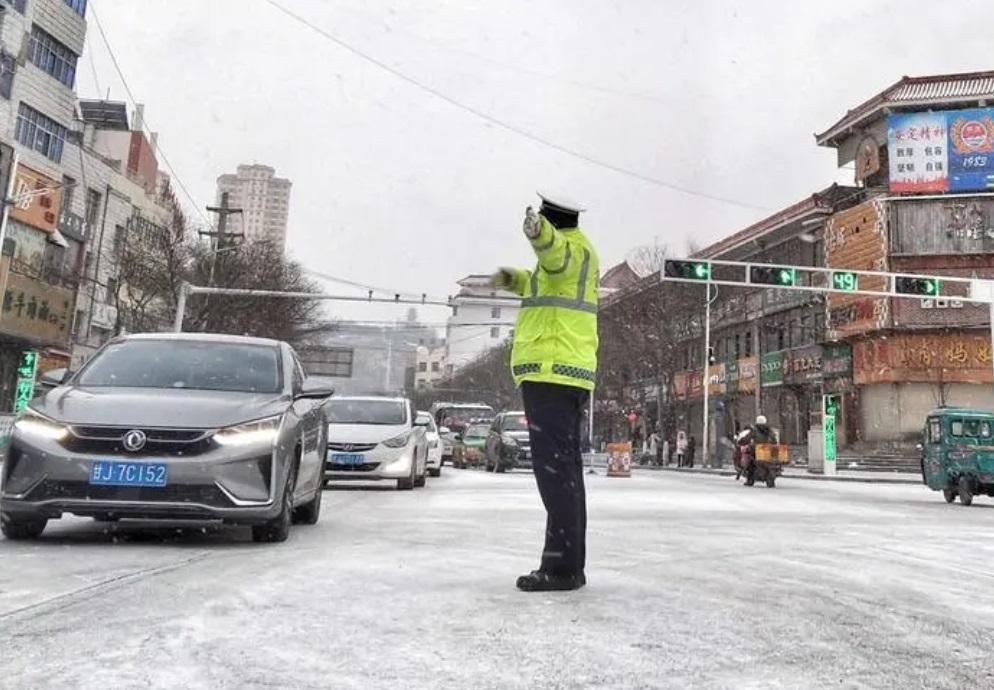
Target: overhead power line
<point>508,66</point>
<point>505,125</point>
<point>131,96</point>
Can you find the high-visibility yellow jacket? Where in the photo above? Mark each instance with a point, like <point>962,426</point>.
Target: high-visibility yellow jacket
<point>555,337</point>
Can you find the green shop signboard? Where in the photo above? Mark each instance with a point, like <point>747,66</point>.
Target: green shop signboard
<point>26,371</point>
<point>771,369</point>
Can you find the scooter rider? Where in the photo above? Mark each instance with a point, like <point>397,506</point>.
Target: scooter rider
<point>760,432</point>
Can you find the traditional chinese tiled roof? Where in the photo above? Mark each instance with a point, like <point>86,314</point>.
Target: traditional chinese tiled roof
<point>969,88</point>
<point>821,202</point>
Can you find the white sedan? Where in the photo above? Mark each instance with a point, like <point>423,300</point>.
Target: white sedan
<point>426,421</point>
<point>374,438</point>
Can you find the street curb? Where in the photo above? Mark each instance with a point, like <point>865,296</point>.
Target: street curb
<point>804,477</point>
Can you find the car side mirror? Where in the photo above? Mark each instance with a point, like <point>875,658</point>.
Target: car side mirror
<point>314,389</point>
<point>919,446</point>
<point>54,377</point>
<point>444,430</point>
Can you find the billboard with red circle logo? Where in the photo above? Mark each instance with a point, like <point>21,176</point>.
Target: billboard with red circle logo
<point>941,151</point>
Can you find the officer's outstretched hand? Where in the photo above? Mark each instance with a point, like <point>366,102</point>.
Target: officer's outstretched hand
<point>532,225</point>
<point>503,278</point>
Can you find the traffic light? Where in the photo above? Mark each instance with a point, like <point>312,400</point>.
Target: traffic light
<point>909,285</point>
<point>773,275</point>
<point>831,403</point>
<point>691,270</point>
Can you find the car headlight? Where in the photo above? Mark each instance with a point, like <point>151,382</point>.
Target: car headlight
<point>251,433</point>
<point>34,424</point>
<point>398,441</point>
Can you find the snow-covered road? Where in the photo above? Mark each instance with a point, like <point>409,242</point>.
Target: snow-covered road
<point>694,581</point>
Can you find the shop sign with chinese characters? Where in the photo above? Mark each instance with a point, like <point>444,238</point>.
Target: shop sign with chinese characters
<point>36,310</point>
<point>802,365</point>
<point>937,358</point>
<point>26,370</point>
<point>943,151</point>
<point>36,200</point>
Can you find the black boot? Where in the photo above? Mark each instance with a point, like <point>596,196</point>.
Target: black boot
<point>538,581</point>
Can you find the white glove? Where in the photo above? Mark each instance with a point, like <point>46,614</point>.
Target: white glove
<point>502,279</point>
<point>532,224</point>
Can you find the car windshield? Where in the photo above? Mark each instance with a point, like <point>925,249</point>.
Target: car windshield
<point>454,416</point>
<point>516,422</point>
<point>477,431</point>
<point>391,412</point>
<point>188,364</point>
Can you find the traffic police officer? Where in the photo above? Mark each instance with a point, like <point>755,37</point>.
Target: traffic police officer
<point>554,360</point>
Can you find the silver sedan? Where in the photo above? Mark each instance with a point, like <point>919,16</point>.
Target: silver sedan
<point>172,426</point>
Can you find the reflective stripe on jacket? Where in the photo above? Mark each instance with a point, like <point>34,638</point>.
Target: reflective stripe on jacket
<point>555,337</point>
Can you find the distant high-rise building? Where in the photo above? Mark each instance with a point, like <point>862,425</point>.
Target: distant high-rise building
<point>264,200</point>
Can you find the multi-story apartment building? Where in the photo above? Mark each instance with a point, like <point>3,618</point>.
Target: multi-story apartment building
<point>481,318</point>
<point>264,200</point>
<point>85,183</point>
<point>40,45</point>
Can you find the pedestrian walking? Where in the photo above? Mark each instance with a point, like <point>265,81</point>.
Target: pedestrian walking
<point>554,360</point>
<point>681,448</point>
<point>691,447</point>
<point>655,447</point>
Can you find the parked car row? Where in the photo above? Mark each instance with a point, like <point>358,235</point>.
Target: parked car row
<point>186,427</point>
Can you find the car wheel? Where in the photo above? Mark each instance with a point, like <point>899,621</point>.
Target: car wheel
<point>17,530</point>
<point>407,483</point>
<point>435,471</point>
<point>422,480</point>
<point>949,495</point>
<point>310,512</point>
<point>771,480</point>
<point>965,492</point>
<point>278,529</point>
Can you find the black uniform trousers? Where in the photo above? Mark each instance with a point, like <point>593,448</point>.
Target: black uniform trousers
<point>555,414</point>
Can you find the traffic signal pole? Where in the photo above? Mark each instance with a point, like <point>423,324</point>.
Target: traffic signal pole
<point>705,424</point>
<point>821,280</point>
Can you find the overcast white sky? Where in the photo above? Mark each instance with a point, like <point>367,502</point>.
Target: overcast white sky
<point>397,188</point>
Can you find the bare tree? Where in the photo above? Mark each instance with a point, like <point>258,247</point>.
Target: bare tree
<point>487,378</point>
<point>647,259</point>
<point>153,269</point>
<point>643,332</point>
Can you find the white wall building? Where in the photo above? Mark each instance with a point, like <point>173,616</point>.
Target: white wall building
<point>120,201</point>
<point>482,317</point>
<point>429,365</point>
<point>264,200</point>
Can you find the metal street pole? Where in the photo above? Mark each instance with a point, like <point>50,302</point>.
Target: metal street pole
<point>184,288</point>
<point>707,370</point>
<point>992,338</point>
<point>386,376</point>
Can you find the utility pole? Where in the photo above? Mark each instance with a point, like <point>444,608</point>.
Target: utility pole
<point>222,211</point>
<point>218,238</point>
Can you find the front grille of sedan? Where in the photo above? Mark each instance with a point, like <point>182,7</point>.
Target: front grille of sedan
<point>351,447</point>
<point>207,494</point>
<point>159,442</point>
<point>365,467</point>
